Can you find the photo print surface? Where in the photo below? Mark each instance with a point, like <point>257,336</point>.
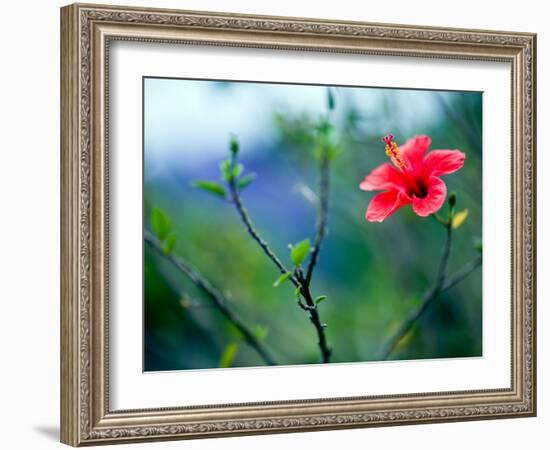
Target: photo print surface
<point>289,224</point>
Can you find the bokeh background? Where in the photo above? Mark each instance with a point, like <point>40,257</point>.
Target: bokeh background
<point>373,274</point>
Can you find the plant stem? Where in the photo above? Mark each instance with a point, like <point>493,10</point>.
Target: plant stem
<point>322,225</point>
<point>297,278</point>
<point>441,283</point>
<point>245,217</point>
<point>322,215</point>
<point>217,298</point>
<point>311,308</point>
<point>442,270</point>
<point>440,219</point>
<point>457,277</point>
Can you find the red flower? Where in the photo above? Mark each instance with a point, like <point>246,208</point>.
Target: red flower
<point>412,179</point>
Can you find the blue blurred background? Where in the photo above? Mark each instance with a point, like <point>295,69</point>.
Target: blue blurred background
<point>373,274</point>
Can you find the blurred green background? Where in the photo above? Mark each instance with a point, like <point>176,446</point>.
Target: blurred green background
<point>372,273</point>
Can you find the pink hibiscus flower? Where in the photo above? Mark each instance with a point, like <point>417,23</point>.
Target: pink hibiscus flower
<point>414,178</point>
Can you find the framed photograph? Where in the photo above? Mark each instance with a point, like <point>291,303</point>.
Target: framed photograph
<point>276,224</point>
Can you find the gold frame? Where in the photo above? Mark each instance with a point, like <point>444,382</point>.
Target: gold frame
<point>86,31</point>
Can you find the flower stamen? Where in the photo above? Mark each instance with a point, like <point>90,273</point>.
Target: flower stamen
<point>392,150</point>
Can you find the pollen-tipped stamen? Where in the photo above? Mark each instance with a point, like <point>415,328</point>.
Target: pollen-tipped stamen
<point>392,150</point>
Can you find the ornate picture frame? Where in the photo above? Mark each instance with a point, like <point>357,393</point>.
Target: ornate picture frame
<point>87,31</point>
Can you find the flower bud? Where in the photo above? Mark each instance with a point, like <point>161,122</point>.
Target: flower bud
<point>234,145</point>
<point>452,199</point>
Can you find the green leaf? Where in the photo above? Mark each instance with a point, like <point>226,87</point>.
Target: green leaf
<point>320,299</point>
<point>225,169</point>
<point>246,180</point>
<point>298,292</point>
<point>299,252</point>
<point>333,151</point>
<point>237,170</point>
<point>230,170</point>
<point>285,276</point>
<point>324,127</point>
<point>160,223</point>
<point>210,186</point>
<point>235,331</point>
<point>228,355</point>
<point>327,149</point>
<point>260,331</point>
<point>169,244</point>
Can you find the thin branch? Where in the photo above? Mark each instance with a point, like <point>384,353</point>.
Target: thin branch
<point>441,284</point>
<point>311,308</point>
<point>442,270</point>
<point>245,217</point>
<point>457,277</point>
<point>217,298</point>
<point>322,215</point>
<point>297,278</point>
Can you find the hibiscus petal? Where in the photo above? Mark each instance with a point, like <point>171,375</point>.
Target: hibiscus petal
<point>437,191</point>
<point>414,149</point>
<point>385,204</point>
<point>443,162</point>
<point>382,178</point>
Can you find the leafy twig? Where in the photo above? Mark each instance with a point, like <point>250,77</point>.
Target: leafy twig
<point>217,298</point>
<point>427,298</point>
<point>231,173</point>
<point>297,278</point>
